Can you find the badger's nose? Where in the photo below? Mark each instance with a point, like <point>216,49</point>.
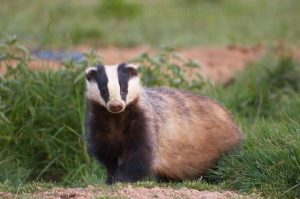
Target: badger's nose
<point>115,106</point>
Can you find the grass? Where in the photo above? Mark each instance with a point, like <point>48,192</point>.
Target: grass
<point>269,161</point>
<point>59,24</point>
<point>30,187</point>
<point>269,89</point>
<point>42,124</point>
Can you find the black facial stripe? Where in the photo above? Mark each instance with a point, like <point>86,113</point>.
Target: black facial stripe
<point>90,76</point>
<point>124,74</point>
<point>102,81</point>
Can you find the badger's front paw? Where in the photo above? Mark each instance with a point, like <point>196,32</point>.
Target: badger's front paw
<point>109,181</point>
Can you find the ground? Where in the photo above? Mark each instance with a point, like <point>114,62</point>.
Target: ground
<point>127,192</point>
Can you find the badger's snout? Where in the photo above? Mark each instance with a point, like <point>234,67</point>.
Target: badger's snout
<point>115,107</point>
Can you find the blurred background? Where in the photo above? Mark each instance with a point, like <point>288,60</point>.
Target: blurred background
<point>222,35</point>
<point>125,23</point>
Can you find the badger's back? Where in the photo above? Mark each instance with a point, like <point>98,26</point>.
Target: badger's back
<point>191,132</point>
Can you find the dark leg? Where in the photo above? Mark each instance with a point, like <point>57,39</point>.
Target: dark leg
<point>110,164</point>
<point>134,167</point>
<point>111,168</point>
<point>162,179</point>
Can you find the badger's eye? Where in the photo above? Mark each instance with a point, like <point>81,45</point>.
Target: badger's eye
<point>123,89</point>
<point>104,91</point>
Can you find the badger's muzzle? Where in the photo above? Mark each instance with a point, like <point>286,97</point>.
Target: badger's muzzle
<point>115,107</point>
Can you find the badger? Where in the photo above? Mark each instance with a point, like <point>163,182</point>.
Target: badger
<point>136,132</point>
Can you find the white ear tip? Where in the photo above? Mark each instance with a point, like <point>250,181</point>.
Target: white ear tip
<point>90,69</point>
<point>135,66</point>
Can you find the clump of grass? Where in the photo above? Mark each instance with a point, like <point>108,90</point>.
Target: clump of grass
<point>284,75</point>
<point>268,163</point>
<point>43,121</point>
<point>268,88</point>
<point>168,68</point>
<point>266,100</point>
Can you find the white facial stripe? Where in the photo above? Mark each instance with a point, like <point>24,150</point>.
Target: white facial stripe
<point>133,89</point>
<point>93,93</point>
<point>113,83</point>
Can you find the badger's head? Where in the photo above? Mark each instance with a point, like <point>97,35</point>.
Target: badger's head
<point>113,87</point>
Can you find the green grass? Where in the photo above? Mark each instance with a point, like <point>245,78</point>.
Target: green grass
<point>42,124</point>
<point>45,24</point>
<point>39,123</point>
<point>268,163</point>
<point>30,187</point>
<point>265,100</point>
<point>269,88</point>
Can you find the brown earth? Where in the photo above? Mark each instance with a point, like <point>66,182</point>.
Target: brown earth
<point>128,192</point>
<point>218,63</point>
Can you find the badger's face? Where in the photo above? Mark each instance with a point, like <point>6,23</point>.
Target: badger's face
<point>112,86</point>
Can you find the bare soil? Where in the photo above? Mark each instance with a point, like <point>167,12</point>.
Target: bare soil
<point>218,63</point>
<point>128,192</point>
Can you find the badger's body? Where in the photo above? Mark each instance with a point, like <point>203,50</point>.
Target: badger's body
<point>168,133</point>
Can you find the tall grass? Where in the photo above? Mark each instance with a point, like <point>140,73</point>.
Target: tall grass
<point>266,100</point>
<point>45,117</point>
<point>268,162</point>
<point>42,126</point>
<point>269,88</point>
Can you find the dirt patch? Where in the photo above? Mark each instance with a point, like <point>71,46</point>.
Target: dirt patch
<point>218,63</point>
<point>127,192</point>
<point>221,63</point>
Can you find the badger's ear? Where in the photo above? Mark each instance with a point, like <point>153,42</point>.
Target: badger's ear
<point>90,73</point>
<point>133,69</point>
